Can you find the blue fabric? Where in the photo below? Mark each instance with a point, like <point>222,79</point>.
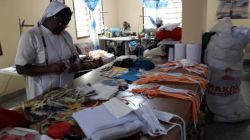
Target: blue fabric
<point>93,25</point>
<point>150,3</point>
<point>91,4</point>
<point>93,35</point>
<point>144,64</point>
<point>133,44</point>
<point>162,4</point>
<point>115,29</point>
<point>131,76</point>
<point>155,4</point>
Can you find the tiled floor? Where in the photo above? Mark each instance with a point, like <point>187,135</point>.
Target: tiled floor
<point>9,101</point>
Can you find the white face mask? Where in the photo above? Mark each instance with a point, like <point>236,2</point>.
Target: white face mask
<point>151,123</point>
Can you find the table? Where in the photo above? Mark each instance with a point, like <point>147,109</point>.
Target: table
<point>175,106</point>
<point>125,39</point>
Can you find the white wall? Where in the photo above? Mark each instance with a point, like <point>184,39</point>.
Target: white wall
<point>130,11</point>
<point>211,20</point>
<point>10,11</point>
<point>110,10</point>
<point>192,21</point>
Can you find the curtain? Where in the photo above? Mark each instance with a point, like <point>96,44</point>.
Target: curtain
<point>154,5</point>
<point>93,35</point>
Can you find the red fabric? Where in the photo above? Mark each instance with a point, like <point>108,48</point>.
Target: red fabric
<point>163,34</point>
<point>10,118</point>
<point>58,130</point>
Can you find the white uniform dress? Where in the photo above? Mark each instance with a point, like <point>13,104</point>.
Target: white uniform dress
<point>31,50</point>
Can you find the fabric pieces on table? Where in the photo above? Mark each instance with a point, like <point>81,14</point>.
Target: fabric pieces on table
<point>172,77</point>
<point>144,64</point>
<point>114,72</point>
<point>101,123</point>
<point>174,93</point>
<point>117,107</point>
<point>134,72</point>
<point>187,65</point>
<point>98,123</point>
<point>11,118</point>
<point>131,76</point>
<point>104,92</point>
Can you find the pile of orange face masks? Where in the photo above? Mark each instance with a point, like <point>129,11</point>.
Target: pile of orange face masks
<point>172,77</point>
<point>199,69</point>
<point>174,93</point>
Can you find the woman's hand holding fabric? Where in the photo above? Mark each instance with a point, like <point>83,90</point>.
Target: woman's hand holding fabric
<point>99,62</point>
<point>57,67</point>
<point>74,67</point>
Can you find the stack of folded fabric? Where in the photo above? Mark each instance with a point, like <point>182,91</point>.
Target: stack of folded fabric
<point>98,123</point>
<point>114,119</point>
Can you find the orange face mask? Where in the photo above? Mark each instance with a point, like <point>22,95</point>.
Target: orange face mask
<point>185,95</point>
<point>165,77</point>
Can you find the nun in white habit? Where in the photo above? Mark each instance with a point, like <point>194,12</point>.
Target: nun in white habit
<point>45,54</point>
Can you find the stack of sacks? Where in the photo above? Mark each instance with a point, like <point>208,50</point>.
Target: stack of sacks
<point>106,57</point>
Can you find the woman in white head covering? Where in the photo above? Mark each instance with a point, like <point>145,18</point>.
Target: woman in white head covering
<point>159,22</point>
<point>45,54</point>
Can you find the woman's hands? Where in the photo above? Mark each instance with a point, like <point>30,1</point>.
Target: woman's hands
<point>64,67</point>
<point>74,67</point>
<point>91,64</point>
<point>57,67</point>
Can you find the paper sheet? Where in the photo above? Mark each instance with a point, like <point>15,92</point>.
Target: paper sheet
<point>92,120</point>
<point>105,92</point>
<point>179,51</point>
<point>193,52</point>
<point>171,54</point>
<point>117,107</point>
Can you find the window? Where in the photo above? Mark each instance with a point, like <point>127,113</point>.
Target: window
<point>83,18</point>
<point>171,14</point>
<point>62,1</point>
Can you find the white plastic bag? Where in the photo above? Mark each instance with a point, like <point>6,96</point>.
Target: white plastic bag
<point>223,96</point>
<point>225,61</point>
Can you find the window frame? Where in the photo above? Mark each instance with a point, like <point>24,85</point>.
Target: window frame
<point>62,1</point>
<point>164,19</point>
<point>102,16</point>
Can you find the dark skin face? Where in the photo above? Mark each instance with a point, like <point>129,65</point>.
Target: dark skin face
<point>57,24</point>
<point>125,25</point>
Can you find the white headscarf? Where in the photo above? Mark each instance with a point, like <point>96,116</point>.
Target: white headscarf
<point>159,21</point>
<point>53,8</point>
